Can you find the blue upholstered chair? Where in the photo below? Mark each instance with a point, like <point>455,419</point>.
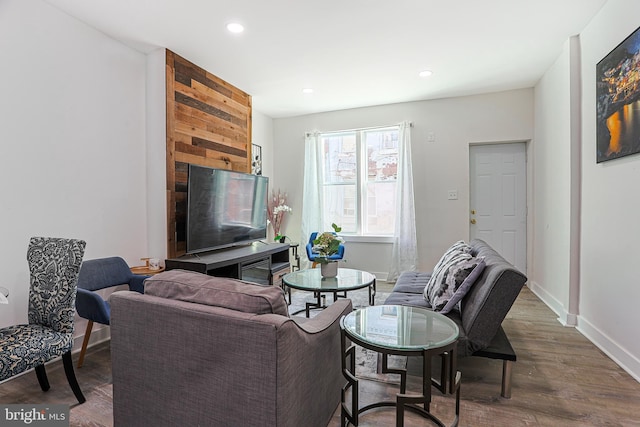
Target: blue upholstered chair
<point>54,265</point>
<point>313,255</point>
<point>99,274</point>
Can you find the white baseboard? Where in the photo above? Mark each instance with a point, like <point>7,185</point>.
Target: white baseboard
<point>100,333</point>
<point>616,352</point>
<point>554,304</point>
<point>381,275</point>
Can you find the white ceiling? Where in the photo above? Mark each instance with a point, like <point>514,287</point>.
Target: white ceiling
<point>353,53</point>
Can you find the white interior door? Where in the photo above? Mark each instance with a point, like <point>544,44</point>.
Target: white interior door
<point>498,199</point>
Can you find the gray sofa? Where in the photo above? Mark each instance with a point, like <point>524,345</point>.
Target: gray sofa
<point>483,308</point>
<point>208,351</point>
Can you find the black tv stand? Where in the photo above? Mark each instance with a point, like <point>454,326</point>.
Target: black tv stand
<point>260,263</point>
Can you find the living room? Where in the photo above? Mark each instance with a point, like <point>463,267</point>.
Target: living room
<point>84,156</point>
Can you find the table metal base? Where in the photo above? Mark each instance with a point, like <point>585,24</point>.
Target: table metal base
<point>320,303</point>
<point>448,382</point>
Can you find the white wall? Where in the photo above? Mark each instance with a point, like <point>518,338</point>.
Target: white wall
<point>438,166</point>
<point>550,210</point>
<point>156,145</point>
<point>609,291</point>
<point>72,114</point>
<point>262,135</point>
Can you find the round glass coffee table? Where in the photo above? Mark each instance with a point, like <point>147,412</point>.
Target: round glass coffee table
<point>347,280</point>
<point>405,331</point>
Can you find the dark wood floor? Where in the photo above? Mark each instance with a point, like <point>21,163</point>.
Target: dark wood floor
<point>560,379</point>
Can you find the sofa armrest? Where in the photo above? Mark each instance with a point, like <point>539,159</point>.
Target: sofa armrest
<point>310,368</point>
<point>325,318</point>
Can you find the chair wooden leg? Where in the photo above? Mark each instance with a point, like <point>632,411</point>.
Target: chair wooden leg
<point>71,376</point>
<point>314,264</point>
<point>85,342</point>
<point>41,373</point>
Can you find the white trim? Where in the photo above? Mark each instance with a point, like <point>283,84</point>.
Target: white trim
<point>367,239</point>
<point>615,351</point>
<point>554,304</point>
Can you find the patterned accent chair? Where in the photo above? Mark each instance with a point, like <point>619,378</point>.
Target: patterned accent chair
<point>96,274</point>
<point>54,265</point>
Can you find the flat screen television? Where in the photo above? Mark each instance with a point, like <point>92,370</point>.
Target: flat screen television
<point>224,208</point>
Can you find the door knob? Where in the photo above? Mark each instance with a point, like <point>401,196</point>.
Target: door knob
<point>473,220</point>
<point>473,211</point>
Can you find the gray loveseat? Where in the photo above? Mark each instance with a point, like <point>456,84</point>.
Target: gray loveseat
<point>483,308</point>
<point>196,350</point>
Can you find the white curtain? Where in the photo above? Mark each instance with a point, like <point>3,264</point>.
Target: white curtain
<point>404,255</point>
<point>312,197</point>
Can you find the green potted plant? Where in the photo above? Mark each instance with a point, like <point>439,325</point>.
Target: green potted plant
<point>325,245</point>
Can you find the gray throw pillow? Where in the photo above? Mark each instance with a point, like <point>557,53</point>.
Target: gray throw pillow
<point>454,250</point>
<point>438,282</point>
<point>450,279</point>
<point>459,246</point>
<point>463,289</point>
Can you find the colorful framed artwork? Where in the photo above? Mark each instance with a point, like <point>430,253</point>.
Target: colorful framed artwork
<point>618,101</point>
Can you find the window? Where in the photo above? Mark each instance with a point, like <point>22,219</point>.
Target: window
<point>359,174</point>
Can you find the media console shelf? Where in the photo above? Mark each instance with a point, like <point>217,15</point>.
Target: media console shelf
<point>258,262</point>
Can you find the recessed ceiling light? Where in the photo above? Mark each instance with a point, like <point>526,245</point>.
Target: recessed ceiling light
<point>235,28</point>
<point>307,90</point>
<point>425,73</point>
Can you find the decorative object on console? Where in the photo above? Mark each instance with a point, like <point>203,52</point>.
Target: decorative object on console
<point>276,209</point>
<point>617,91</point>
<point>256,159</point>
<point>148,269</point>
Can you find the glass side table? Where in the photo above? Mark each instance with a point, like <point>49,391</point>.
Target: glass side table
<point>405,331</point>
<point>347,280</point>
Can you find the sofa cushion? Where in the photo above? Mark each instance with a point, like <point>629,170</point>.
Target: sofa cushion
<point>461,291</point>
<point>412,282</point>
<point>402,298</point>
<point>217,291</point>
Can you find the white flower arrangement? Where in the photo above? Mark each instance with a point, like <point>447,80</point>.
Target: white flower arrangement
<point>277,207</point>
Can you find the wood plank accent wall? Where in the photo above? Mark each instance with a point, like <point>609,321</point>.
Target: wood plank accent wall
<point>208,124</point>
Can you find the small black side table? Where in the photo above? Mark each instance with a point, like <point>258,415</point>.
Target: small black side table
<point>294,252</point>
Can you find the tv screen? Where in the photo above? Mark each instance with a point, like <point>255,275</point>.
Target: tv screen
<point>224,208</point>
